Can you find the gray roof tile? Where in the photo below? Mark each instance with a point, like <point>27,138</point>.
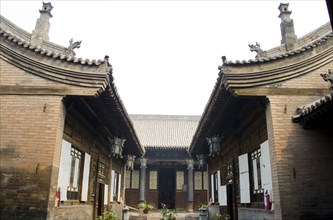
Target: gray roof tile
<point>165,131</point>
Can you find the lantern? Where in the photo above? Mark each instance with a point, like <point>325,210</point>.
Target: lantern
<point>130,162</point>
<point>214,144</point>
<point>201,161</point>
<point>117,145</point>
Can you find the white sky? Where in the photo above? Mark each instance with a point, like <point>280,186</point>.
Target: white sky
<point>165,54</point>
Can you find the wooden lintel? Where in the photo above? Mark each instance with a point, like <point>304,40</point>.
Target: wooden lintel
<point>280,91</point>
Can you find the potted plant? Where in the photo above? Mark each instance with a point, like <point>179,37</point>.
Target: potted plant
<point>145,206</point>
<point>166,214</point>
<point>203,206</point>
<point>109,215</point>
<point>218,216</point>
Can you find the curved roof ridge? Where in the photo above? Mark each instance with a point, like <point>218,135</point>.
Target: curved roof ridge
<point>296,51</point>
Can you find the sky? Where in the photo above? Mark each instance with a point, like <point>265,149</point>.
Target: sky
<point>165,54</point>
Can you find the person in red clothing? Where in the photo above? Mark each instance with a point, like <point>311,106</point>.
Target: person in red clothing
<point>267,201</point>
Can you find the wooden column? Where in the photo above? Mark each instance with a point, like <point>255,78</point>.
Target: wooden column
<point>190,166</point>
<point>142,186</point>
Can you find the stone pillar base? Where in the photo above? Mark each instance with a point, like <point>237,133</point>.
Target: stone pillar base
<point>190,206</point>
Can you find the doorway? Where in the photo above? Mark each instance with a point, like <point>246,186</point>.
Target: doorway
<point>100,203</point>
<point>230,201</point>
<point>166,187</point>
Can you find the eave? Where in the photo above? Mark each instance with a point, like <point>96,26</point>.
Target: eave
<point>252,75</point>
<point>251,81</point>
<point>75,78</point>
<point>79,81</point>
<point>317,110</point>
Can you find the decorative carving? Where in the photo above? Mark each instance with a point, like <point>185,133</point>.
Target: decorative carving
<point>153,180</point>
<point>180,179</point>
<point>135,179</point>
<point>328,77</point>
<point>47,7</point>
<point>256,48</point>
<point>198,180</point>
<point>190,164</point>
<point>222,67</point>
<point>143,162</point>
<point>72,46</point>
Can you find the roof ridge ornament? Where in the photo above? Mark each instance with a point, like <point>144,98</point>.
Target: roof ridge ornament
<point>222,67</point>
<point>256,47</point>
<point>72,46</point>
<point>47,8</point>
<point>42,26</point>
<point>328,77</point>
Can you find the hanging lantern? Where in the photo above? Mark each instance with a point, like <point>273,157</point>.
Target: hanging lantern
<point>201,161</point>
<point>214,144</point>
<point>117,145</point>
<point>130,162</point>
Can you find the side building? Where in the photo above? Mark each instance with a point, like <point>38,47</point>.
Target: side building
<point>262,163</point>
<point>65,135</point>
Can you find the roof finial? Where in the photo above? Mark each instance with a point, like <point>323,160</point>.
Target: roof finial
<point>287,27</point>
<point>256,48</point>
<point>72,46</point>
<point>47,8</point>
<point>224,59</point>
<point>41,32</point>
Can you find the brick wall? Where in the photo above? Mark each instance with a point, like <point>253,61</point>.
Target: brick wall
<point>302,180</point>
<point>31,131</point>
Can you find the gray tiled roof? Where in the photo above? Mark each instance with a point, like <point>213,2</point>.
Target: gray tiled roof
<point>313,109</point>
<point>165,130</point>
<point>283,55</point>
<point>307,42</point>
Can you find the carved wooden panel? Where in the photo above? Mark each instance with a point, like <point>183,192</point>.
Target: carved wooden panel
<point>180,180</point>
<point>153,180</point>
<point>135,179</point>
<point>198,180</point>
<point>128,179</point>
<point>205,180</point>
